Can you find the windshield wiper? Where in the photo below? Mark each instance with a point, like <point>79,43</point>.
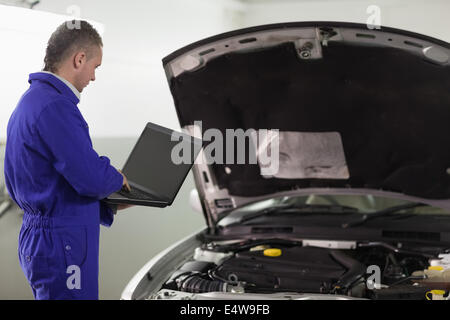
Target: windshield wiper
<point>292,208</point>
<point>381,213</point>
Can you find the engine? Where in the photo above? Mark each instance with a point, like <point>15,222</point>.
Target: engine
<point>273,267</point>
<point>304,269</point>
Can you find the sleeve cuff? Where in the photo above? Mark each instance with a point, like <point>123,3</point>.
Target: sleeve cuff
<point>107,212</point>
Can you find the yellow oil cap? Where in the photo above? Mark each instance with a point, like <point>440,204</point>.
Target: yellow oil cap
<point>438,292</point>
<point>272,252</point>
<point>437,268</point>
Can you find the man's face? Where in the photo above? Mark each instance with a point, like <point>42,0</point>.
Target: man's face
<point>86,69</point>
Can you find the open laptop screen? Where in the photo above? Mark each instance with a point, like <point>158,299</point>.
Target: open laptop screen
<point>150,166</point>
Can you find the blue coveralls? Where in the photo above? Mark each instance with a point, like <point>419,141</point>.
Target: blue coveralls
<point>53,173</point>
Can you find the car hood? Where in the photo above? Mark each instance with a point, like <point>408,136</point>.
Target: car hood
<point>357,111</point>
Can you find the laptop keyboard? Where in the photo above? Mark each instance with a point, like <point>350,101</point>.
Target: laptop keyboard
<point>135,194</point>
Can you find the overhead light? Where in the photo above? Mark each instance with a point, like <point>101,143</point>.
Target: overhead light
<point>20,3</point>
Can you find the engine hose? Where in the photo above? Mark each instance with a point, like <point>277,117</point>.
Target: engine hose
<point>196,284</point>
<point>397,250</point>
<point>355,270</point>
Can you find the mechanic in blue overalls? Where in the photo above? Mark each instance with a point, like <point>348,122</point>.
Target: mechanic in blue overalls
<point>53,173</point>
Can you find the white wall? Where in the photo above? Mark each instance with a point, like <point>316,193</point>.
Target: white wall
<point>428,17</point>
<point>131,87</point>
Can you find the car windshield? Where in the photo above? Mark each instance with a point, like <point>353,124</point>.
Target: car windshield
<point>363,203</point>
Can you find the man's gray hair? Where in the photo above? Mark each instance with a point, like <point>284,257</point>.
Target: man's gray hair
<point>67,39</point>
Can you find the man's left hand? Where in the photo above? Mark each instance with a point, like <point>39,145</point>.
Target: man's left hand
<point>124,206</point>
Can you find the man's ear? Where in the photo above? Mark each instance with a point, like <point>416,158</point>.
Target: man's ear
<point>79,59</point>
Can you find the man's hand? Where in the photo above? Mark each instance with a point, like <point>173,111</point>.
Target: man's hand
<point>124,206</point>
<point>126,186</point>
<point>125,182</point>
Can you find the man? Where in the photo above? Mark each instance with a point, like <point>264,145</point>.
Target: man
<point>53,173</point>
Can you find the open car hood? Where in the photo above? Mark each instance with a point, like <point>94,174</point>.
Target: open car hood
<point>358,111</point>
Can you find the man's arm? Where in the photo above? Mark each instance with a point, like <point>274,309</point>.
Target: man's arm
<point>61,129</point>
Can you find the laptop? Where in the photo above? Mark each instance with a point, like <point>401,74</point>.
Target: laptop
<point>153,176</point>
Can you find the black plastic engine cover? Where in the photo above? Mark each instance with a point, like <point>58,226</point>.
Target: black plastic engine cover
<point>304,269</point>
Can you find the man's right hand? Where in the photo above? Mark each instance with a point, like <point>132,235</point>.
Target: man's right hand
<point>126,186</point>
<point>125,181</point>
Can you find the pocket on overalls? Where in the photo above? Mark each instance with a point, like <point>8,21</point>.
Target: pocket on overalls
<point>40,259</point>
<point>74,245</point>
<point>35,268</point>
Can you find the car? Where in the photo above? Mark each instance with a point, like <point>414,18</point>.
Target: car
<point>359,204</point>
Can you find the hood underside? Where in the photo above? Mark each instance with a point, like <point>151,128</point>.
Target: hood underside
<point>383,94</point>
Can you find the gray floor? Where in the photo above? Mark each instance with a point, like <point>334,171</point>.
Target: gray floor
<point>136,235</point>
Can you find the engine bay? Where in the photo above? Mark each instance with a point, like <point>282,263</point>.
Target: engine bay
<point>316,270</point>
